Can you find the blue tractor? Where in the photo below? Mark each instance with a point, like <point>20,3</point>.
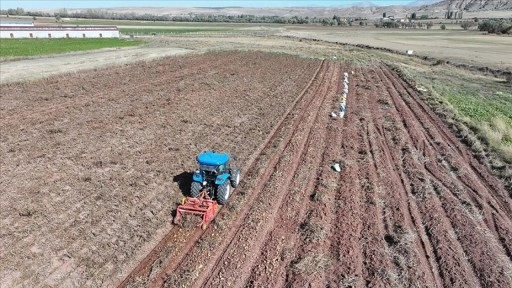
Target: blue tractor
<point>214,176</point>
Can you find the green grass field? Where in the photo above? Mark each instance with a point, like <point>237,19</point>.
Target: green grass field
<point>483,104</point>
<point>167,24</point>
<point>486,108</point>
<point>149,31</point>
<point>35,47</point>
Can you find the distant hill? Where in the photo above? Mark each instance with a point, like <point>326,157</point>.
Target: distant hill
<point>474,5</point>
<point>364,9</point>
<point>470,8</point>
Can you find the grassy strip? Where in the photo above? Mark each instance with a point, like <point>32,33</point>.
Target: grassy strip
<point>35,47</point>
<point>169,24</point>
<point>478,108</point>
<point>483,104</point>
<point>150,31</point>
<point>487,110</point>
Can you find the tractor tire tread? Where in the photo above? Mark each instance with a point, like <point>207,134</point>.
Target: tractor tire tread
<point>195,189</point>
<point>223,192</point>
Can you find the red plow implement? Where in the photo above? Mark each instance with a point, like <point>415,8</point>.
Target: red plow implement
<point>202,206</point>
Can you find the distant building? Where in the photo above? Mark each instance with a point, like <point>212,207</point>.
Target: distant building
<point>58,31</point>
<point>388,19</point>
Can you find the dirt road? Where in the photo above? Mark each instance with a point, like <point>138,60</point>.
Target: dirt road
<point>37,68</point>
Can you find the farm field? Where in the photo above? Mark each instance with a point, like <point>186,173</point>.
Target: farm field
<point>95,162</point>
<point>38,47</point>
<point>150,31</point>
<point>456,45</point>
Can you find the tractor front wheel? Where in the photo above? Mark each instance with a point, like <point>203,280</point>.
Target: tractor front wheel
<point>223,193</point>
<point>195,189</point>
<point>235,177</point>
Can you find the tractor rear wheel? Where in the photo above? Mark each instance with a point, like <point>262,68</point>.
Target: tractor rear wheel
<point>235,177</point>
<point>223,193</point>
<point>195,189</point>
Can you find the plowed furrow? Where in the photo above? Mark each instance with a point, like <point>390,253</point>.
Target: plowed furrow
<point>403,234</point>
<point>452,195</point>
<point>271,265</point>
<point>377,263</point>
<point>312,256</point>
<point>345,246</point>
<point>183,240</point>
<point>261,218</point>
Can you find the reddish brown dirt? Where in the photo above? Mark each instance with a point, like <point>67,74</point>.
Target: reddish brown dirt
<point>94,163</point>
<point>411,206</point>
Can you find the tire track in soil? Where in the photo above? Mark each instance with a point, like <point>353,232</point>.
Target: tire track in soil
<point>454,269</point>
<point>280,247</point>
<point>377,263</point>
<point>227,268</point>
<point>477,246</point>
<point>495,209</point>
<point>345,246</point>
<point>406,240</point>
<point>486,181</point>
<point>183,240</point>
<point>315,261</point>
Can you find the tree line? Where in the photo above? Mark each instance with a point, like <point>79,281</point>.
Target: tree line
<point>498,26</point>
<point>191,17</point>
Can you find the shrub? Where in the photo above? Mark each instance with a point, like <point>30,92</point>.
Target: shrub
<point>496,26</point>
<point>466,25</point>
<point>443,27</point>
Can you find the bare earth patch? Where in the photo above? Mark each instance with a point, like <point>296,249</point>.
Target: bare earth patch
<point>31,69</point>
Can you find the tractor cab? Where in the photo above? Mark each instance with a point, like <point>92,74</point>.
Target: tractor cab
<point>215,175</point>
<point>213,168</point>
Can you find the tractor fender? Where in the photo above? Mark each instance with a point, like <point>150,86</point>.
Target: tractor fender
<point>197,177</point>
<point>221,178</point>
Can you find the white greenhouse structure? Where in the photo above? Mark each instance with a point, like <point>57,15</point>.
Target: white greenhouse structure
<point>59,32</point>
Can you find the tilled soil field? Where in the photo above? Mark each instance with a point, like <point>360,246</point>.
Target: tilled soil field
<point>95,163</point>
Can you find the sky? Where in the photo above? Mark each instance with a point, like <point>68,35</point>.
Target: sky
<point>55,4</point>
